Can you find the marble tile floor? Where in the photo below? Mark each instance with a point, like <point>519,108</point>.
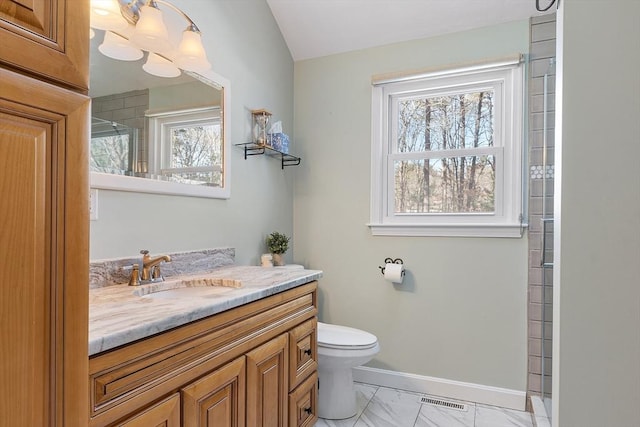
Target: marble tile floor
<point>388,407</point>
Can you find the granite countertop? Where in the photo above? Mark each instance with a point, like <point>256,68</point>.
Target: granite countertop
<point>118,315</point>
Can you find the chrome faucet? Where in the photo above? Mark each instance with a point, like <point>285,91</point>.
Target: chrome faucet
<point>148,271</point>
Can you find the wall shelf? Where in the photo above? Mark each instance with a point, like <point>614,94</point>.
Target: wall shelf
<point>253,149</point>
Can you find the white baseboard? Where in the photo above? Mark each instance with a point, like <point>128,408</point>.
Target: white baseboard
<point>488,395</point>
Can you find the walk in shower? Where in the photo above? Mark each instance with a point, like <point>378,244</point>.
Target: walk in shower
<point>546,260</point>
<point>541,168</point>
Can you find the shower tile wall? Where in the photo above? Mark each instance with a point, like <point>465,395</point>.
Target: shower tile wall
<point>542,51</point>
<point>127,108</point>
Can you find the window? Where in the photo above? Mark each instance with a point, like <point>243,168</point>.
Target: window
<point>446,153</point>
<point>188,147</point>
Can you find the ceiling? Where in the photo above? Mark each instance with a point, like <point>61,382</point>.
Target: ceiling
<point>313,28</point>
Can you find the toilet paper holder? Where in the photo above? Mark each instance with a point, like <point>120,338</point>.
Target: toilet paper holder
<point>391,261</point>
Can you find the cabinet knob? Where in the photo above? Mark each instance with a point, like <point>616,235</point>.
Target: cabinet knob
<point>308,411</point>
<point>308,352</point>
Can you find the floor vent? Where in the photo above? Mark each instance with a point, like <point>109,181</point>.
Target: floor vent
<point>445,403</point>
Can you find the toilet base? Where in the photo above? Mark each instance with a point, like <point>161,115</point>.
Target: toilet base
<point>336,394</point>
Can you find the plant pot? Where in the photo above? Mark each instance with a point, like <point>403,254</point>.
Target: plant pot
<point>278,259</point>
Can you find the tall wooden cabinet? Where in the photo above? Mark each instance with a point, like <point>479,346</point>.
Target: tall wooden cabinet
<point>44,234</point>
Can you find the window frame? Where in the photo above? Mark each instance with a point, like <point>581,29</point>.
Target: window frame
<point>506,79</point>
<point>160,152</point>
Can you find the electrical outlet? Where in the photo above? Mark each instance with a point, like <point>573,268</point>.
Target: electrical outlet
<point>93,204</point>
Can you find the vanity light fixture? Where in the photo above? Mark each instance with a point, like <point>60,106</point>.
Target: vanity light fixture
<point>151,33</point>
<point>191,55</point>
<point>159,66</point>
<point>106,15</point>
<point>134,25</point>
<point>118,47</point>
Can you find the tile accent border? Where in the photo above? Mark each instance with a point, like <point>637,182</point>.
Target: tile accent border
<point>541,172</point>
<point>488,395</point>
<point>113,271</point>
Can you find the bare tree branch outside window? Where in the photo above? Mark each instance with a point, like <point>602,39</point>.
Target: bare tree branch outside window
<point>196,155</point>
<point>445,184</point>
<point>110,154</point>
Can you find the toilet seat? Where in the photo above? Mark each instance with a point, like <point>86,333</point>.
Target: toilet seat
<point>344,337</point>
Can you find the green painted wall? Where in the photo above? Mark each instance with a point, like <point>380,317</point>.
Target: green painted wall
<point>461,312</point>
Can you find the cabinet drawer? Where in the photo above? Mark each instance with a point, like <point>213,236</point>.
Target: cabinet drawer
<point>303,352</point>
<point>303,403</point>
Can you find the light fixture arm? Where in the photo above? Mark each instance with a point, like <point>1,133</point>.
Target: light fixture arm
<point>192,25</point>
<point>130,9</point>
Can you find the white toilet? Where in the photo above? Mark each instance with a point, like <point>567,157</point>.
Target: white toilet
<point>340,349</point>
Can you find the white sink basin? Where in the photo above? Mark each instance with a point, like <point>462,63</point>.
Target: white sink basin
<point>198,287</point>
<point>190,292</point>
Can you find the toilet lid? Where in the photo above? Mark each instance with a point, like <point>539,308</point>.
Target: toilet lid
<point>335,336</point>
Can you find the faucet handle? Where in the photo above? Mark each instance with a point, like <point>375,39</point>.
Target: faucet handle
<point>134,279</point>
<point>156,276</point>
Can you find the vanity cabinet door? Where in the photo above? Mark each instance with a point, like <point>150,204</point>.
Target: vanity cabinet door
<point>47,38</point>
<point>218,399</point>
<point>165,413</point>
<point>267,383</point>
<point>44,237</point>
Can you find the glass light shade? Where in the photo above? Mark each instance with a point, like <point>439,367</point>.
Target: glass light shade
<point>105,15</point>
<point>117,47</point>
<point>158,66</point>
<point>151,33</point>
<point>191,54</point>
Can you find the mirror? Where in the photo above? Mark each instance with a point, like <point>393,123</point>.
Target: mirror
<point>157,135</point>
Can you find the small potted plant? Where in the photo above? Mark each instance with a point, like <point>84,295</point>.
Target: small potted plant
<point>277,243</point>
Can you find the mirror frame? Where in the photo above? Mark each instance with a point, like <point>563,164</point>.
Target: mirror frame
<point>145,185</point>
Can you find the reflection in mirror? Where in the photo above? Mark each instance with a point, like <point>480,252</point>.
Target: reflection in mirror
<point>188,147</point>
<point>154,134</point>
<point>112,147</point>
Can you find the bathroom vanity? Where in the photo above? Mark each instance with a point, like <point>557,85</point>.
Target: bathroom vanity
<point>239,356</point>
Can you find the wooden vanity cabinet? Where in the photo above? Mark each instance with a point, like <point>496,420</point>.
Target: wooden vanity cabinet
<point>234,368</point>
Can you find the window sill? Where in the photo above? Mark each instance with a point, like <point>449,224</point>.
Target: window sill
<point>448,230</point>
